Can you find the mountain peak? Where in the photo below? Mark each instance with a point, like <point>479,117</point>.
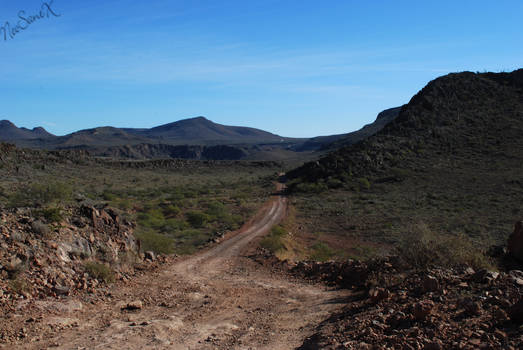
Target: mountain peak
<point>9,132</point>
<point>6,123</point>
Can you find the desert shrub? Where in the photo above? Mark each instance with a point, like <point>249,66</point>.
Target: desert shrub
<point>196,219</point>
<point>51,215</point>
<point>215,210</point>
<point>231,222</point>
<point>364,183</point>
<point>99,271</point>
<point>421,247</point>
<point>152,218</point>
<point>309,187</point>
<point>121,203</point>
<point>192,237</point>
<point>171,211</point>
<point>174,224</point>
<point>37,195</point>
<point>334,183</point>
<point>156,242</point>
<point>321,252</point>
<point>108,196</point>
<point>273,241</point>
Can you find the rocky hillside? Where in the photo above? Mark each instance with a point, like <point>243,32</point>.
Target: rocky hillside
<point>47,253</point>
<point>437,308</point>
<point>464,116</point>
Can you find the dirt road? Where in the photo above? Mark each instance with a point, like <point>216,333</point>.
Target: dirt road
<point>217,299</point>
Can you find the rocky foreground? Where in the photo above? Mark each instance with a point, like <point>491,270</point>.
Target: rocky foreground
<point>430,309</point>
<point>390,306</point>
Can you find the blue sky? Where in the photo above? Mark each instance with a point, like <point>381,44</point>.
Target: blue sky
<point>296,68</point>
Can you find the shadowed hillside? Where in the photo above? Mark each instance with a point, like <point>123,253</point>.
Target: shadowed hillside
<point>463,116</point>
<point>451,163</point>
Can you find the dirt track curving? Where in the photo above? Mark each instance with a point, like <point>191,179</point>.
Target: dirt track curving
<point>217,299</point>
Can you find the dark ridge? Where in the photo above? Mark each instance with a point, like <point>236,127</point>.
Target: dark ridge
<point>9,132</point>
<point>466,116</point>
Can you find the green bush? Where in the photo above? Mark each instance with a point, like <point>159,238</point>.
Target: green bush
<point>273,241</point>
<point>156,242</point>
<point>215,209</point>
<point>108,196</point>
<point>37,195</point>
<point>51,215</point>
<point>99,271</point>
<point>308,187</point>
<point>364,183</point>
<point>152,218</point>
<point>321,252</point>
<point>171,211</point>
<point>196,219</point>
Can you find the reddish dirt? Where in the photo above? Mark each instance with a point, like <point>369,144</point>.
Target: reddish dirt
<point>217,299</point>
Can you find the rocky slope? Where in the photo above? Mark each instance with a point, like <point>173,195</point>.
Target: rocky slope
<point>393,307</point>
<point>39,258</point>
<point>477,117</point>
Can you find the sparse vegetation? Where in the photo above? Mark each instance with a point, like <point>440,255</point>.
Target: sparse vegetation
<point>421,247</point>
<point>99,271</point>
<point>156,242</point>
<point>321,252</point>
<point>273,241</point>
<point>40,194</point>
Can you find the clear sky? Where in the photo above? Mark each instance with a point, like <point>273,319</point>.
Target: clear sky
<point>296,68</point>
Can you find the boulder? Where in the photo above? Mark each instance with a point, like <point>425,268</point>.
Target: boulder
<point>149,255</point>
<point>516,312</point>
<point>515,242</point>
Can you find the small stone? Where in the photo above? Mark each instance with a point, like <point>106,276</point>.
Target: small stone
<point>434,345</point>
<point>422,309</point>
<point>149,255</point>
<point>469,271</point>
<point>500,334</point>
<point>379,294</point>
<point>133,305</point>
<point>61,290</point>
<point>499,314</point>
<point>430,284</point>
<point>471,307</point>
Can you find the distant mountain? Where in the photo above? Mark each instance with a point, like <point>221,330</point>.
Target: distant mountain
<point>96,137</point>
<point>200,130</point>
<point>10,132</point>
<point>199,137</point>
<point>332,142</point>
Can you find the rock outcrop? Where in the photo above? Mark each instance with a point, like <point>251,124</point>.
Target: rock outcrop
<point>39,259</point>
